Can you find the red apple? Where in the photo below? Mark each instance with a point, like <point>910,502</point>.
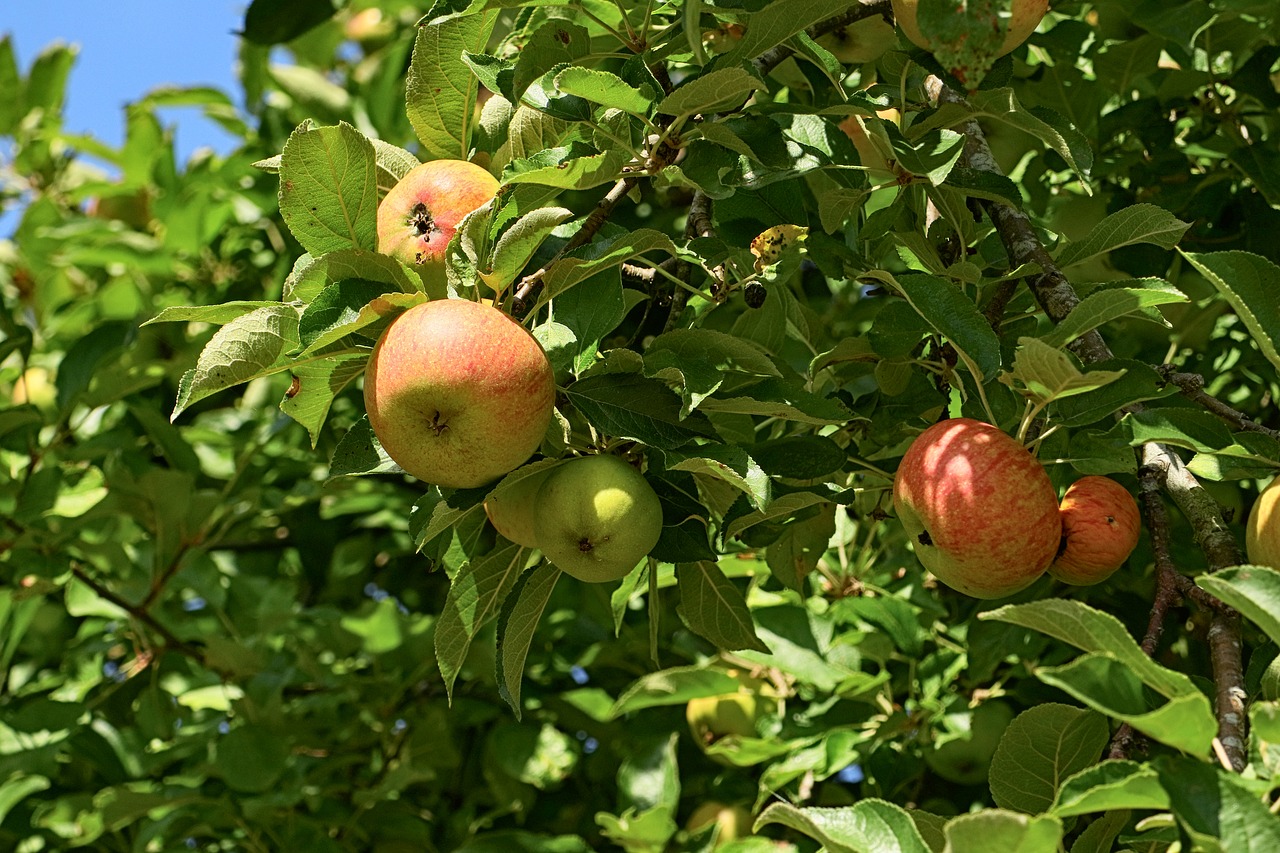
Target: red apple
<point>979,508</point>
<point>419,215</point>
<point>458,393</point>
<point>1100,526</point>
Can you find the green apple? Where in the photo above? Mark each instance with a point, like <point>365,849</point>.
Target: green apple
<point>1022,22</point>
<point>731,821</point>
<point>713,717</point>
<point>420,214</point>
<point>1262,530</point>
<point>1100,527</point>
<point>510,506</point>
<point>979,508</point>
<point>458,393</point>
<point>966,759</point>
<point>596,517</point>
<point>862,41</point>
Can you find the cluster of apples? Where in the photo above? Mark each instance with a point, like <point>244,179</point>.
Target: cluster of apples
<point>459,394</point>
<point>984,518</point>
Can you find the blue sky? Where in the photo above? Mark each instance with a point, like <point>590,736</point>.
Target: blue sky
<point>128,47</point>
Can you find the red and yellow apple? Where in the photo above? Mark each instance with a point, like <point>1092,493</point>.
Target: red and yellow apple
<point>1100,527</point>
<point>419,215</point>
<point>1025,17</point>
<point>458,393</point>
<point>1262,530</point>
<point>596,517</point>
<point>978,507</point>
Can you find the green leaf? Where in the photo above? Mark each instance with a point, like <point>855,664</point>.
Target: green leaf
<point>1139,223</point>
<point>602,255</point>
<point>379,630</point>
<point>346,307</point>
<point>1100,835</point>
<point>701,360</point>
<point>992,830</point>
<point>1039,749</point>
<point>251,758</point>
<point>476,594</point>
<point>1183,427</point>
<point>1185,722</point>
<point>252,345</point>
<point>573,167</point>
<point>717,90</point>
<point>17,788</point>
<point>1110,785</point>
<point>794,555</point>
<point>714,609</point>
<point>946,308</point>
<point>440,88</point>
<point>517,621</point>
<point>1139,382</point>
<point>557,42</point>
<point>311,275</point>
<point>268,22</point>
<point>1091,630</point>
<point>218,315</point>
<point>626,405</point>
<point>776,22</point>
<point>869,826</point>
<point>359,452</point>
<point>674,686</point>
<point>1253,590</point>
<point>731,465</point>
<point>1046,374</point>
<point>519,243</point>
<point>316,384</point>
<point>1247,282</point>
<point>329,189</point>
<point>604,88</point>
<point>1212,806</point>
<point>799,457</point>
<point>1103,306</point>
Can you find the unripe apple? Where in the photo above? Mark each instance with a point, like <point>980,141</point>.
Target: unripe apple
<point>595,517</point>
<point>421,212</point>
<point>35,387</point>
<point>862,41</point>
<point>1025,17</point>
<point>458,393</point>
<point>713,717</point>
<point>966,760</point>
<point>510,510</point>
<point>979,508</point>
<point>879,169</point>
<point>1262,531</point>
<point>1100,527</point>
<point>731,822</point>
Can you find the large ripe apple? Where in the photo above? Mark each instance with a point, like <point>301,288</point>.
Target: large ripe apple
<point>458,393</point>
<point>596,517</point>
<point>1262,530</point>
<point>419,215</point>
<point>979,508</point>
<point>1100,527</point>
<point>1024,18</point>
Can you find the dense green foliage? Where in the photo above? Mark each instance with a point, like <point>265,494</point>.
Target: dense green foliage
<point>227,622</point>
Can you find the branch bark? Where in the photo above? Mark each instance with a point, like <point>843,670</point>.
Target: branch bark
<point>1055,295</point>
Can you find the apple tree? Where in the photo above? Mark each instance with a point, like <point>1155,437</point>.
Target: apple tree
<point>764,245</point>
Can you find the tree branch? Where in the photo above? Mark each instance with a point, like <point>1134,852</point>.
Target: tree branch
<point>772,58</point>
<point>1192,387</point>
<point>1054,293</point>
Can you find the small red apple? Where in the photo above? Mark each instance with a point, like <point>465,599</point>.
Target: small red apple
<point>419,215</point>
<point>1100,526</point>
<point>979,508</point>
<point>458,393</point>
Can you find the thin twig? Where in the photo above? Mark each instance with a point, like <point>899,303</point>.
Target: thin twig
<point>1191,385</point>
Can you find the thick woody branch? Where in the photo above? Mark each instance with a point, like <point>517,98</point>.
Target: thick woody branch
<point>1054,293</point>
